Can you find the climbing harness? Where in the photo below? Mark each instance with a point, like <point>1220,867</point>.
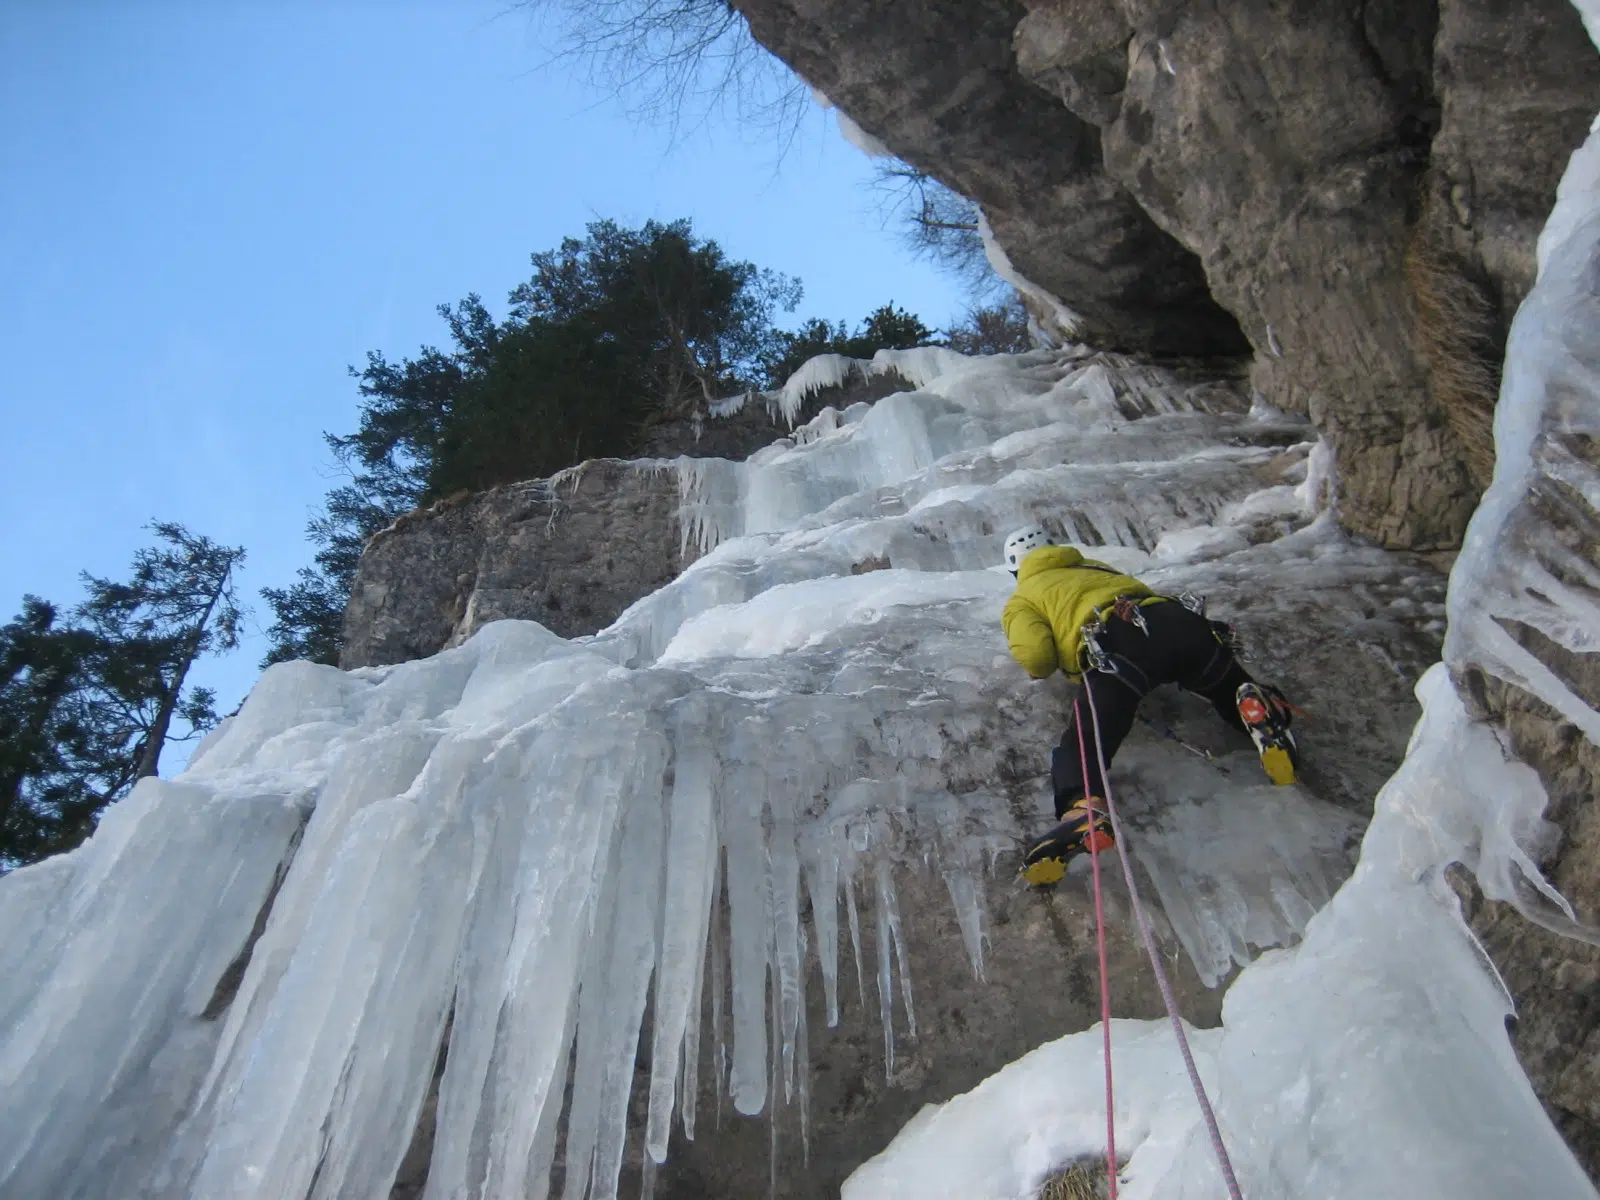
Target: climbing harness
<point>1128,610</point>
<point>1095,847</point>
<point>1094,656</point>
<point>1155,961</point>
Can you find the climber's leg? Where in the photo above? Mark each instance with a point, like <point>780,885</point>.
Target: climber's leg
<point>1116,703</point>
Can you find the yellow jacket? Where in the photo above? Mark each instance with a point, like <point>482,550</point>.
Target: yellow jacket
<point>1058,592</point>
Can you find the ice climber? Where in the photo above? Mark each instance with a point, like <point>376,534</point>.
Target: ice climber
<point>1117,640</point>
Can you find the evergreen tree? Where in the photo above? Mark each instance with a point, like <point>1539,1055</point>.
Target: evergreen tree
<point>612,333</point>
<point>87,706</point>
<point>179,604</point>
<point>309,614</point>
<point>46,795</point>
<point>886,328</point>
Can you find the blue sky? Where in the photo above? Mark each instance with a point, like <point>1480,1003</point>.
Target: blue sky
<point>208,210</point>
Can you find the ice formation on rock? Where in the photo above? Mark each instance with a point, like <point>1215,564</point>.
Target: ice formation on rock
<point>1064,320</point>
<point>241,984</point>
<point>1372,1058</point>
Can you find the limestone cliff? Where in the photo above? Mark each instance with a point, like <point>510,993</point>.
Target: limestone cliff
<point>571,552</point>
<point>1354,190</point>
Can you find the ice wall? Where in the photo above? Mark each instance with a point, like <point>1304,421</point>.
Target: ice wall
<point>242,984</point>
<point>1373,1059</point>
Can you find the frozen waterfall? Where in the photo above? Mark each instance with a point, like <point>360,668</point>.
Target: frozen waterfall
<point>1372,1059</point>
<point>503,857</point>
<point>241,984</point>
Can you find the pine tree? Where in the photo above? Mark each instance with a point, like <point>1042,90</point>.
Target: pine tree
<point>179,604</point>
<point>612,333</point>
<point>46,796</point>
<point>87,705</point>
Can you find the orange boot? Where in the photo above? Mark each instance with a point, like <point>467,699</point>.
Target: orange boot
<point>1084,829</point>
<point>1266,716</point>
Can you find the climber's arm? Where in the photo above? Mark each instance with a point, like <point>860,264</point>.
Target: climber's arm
<point>1032,641</point>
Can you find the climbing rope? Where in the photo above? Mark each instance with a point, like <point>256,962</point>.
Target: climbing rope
<point>1100,940</point>
<point>1155,961</point>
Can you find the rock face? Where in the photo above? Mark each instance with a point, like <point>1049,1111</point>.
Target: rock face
<point>570,552</point>
<point>951,101</point>
<point>1555,979</point>
<point>1150,162</point>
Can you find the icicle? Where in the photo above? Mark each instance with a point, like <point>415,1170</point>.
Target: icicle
<point>457,1165</point>
<point>749,887</point>
<point>542,1150</point>
<point>689,1074</point>
<point>803,1053</point>
<point>719,990</point>
<point>815,374</point>
<point>966,895</point>
<point>855,937</point>
<point>885,973</point>
<point>776,1039</point>
<point>786,926</point>
<point>710,504</point>
<point>583,1119</point>
<point>886,896</point>
<point>512,1020</point>
<point>627,988</point>
<point>822,879</point>
<point>691,871</point>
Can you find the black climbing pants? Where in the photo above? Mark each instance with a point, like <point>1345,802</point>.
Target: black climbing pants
<point>1180,648</point>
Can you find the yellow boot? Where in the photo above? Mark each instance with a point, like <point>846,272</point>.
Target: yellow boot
<point>1084,828</point>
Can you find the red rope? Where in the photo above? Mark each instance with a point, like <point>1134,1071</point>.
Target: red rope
<point>1155,957</point>
<point>1100,939</point>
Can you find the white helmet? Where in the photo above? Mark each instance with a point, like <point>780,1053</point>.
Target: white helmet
<point>1022,542</point>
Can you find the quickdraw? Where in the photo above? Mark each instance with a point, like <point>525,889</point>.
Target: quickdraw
<point>1228,635</point>
<point>1127,609</point>
<point>1094,656</point>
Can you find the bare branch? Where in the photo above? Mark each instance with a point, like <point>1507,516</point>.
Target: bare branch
<point>678,61</point>
<point>937,224</point>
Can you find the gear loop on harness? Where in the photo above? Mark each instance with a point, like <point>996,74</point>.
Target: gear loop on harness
<point>1095,657</point>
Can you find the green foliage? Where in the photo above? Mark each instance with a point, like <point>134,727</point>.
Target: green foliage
<point>612,334</point>
<point>308,619</point>
<point>180,604</point>
<point>887,328</point>
<point>87,706</point>
<point>992,329</point>
<point>47,796</point>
